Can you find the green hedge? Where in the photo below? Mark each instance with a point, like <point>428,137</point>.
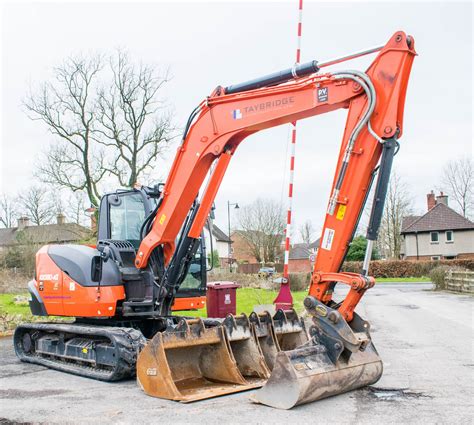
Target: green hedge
<point>405,268</point>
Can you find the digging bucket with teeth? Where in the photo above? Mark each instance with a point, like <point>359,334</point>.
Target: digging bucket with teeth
<point>339,357</point>
<point>262,324</point>
<point>189,362</point>
<point>290,330</point>
<point>245,348</point>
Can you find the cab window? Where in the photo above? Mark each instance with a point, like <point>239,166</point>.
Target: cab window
<point>126,218</point>
<point>193,279</point>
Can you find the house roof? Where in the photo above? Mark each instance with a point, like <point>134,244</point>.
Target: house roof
<point>219,234</point>
<point>408,221</point>
<point>314,244</point>
<point>440,217</point>
<point>47,233</point>
<point>299,251</point>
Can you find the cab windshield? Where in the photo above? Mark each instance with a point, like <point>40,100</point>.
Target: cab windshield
<point>126,218</point>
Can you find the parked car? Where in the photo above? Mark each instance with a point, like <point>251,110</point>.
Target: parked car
<point>266,272</point>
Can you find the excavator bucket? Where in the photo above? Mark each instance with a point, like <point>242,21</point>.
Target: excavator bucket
<point>290,330</point>
<point>284,331</point>
<point>262,324</point>
<point>337,358</point>
<point>189,363</point>
<point>245,348</point>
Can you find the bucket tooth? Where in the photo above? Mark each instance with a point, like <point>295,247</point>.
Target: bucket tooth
<point>290,330</point>
<point>188,363</point>
<point>262,324</point>
<point>245,348</point>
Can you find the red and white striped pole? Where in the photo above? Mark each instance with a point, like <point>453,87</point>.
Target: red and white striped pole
<point>284,299</point>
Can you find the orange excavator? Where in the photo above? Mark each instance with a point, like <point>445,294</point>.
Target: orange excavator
<point>121,294</point>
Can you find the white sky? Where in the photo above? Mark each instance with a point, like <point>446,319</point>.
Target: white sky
<point>206,44</point>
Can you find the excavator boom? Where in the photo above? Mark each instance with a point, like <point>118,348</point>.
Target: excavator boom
<point>375,102</point>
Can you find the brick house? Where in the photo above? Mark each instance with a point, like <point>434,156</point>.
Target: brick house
<point>240,249</point>
<point>242,252</point>
<point>440,233</point>
<point>302,257</point>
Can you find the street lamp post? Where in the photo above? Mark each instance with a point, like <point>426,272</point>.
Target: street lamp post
<point>236,206</point>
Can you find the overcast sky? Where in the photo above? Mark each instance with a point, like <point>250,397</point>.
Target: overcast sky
<point>206,44</point>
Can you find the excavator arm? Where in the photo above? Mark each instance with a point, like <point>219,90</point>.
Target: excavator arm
<point>375,102</point>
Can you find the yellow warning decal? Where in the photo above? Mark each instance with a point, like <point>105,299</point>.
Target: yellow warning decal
<point>162,218</point>
<point>341,211</point>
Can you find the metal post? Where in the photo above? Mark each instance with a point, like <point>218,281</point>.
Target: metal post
<point>229,254</point>
<point>284,299</point>
<point>230,243</point>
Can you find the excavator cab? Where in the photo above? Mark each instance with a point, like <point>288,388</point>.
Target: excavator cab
<point>121,216</point>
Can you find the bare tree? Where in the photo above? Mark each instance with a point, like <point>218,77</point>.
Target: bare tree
<point>458,181</point>
<point>8,211</point>
<point>37,204</point>
<point>68,107</point>
<point>398,204</point>
<point>97,113</point>
<point>75,208</point>
<point>307,232</point>
<point>262,224</point>
<point>132,119</point>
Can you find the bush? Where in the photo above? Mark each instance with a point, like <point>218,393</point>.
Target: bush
<point>214,259</point>
<point>299,281</point>
<point>438,275</point>
<point>13,281</point>
<point>405,268</point>
<point>357,249</point>
<point>245,280</point>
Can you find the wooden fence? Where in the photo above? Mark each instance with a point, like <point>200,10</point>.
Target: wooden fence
<point>460,281</point>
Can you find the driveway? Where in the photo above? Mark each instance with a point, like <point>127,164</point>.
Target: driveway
<point>423,337</point>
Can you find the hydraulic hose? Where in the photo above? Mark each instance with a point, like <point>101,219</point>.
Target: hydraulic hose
<point>364,81</point>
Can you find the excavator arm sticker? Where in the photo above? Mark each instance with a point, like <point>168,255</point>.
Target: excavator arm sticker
<point>341,211</point>
<point>328,239</point>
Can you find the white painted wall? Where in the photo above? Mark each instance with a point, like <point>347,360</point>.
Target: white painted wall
<point>463,243</point>
<point>221,247</point>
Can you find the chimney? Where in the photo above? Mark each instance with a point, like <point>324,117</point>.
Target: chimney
<point>431,201</point>
<point>442,199</point>
<point>23,222</point>
<point>92,212</point>
<point>61,218</point>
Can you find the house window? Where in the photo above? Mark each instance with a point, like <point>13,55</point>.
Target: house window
<point>449,236</point>
<point>434,237</point>
<point>435,258</point>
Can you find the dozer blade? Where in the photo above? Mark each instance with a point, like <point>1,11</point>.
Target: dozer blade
<point>189,363</point>
<point>339,357</point>
<point>245,348</point>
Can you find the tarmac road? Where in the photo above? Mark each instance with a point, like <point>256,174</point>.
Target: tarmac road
<point>424,338</point>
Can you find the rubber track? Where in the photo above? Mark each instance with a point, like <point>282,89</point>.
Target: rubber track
<point>127,342</point>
